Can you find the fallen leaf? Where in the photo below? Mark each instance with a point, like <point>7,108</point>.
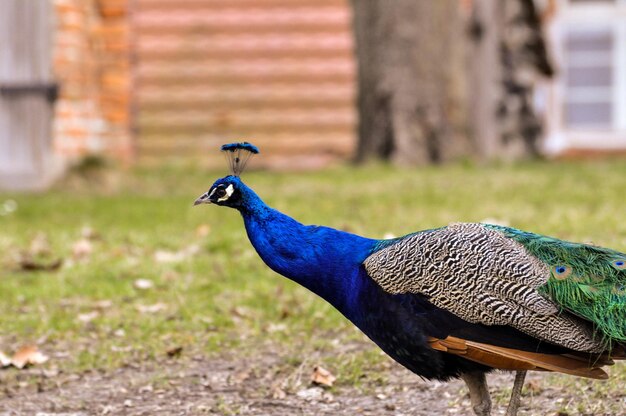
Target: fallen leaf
<point>241,312</point>
<point>102,304</point>
<point>143,284</point>
<point>82,249</point>
<point>239,377</point>
<point>88,317</point>
<point>157,307</point>
<point>271,328</point>
<point>9,206</point>
<point>116,348</point>
<point>285,312</point>
<point>28,264</point>
<point>170,276</point>
<point>26,355</point>
<point>322,377</point>
<point>174,352</point>
<point>107,409</point>
<point>51,373</point>
<point>89,233</point>
<point>192,249</point>
<point>39,245</point>
<point>146,389</point>
<point>5,361</point>
<point>278,393</point>
<point>313,393</point>
<point>534,387</point>
<point>164,256</point>
<point>203,230</point>
<point>207,320</point>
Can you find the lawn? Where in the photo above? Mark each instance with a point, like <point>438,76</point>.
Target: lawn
<point>144,273</point>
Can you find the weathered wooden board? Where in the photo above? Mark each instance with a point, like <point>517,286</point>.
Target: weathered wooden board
<point>26,93</point>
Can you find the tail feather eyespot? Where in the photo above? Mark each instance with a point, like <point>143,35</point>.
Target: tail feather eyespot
<point>619,264</point>
<point>619,290</point>
<point>561,271</point>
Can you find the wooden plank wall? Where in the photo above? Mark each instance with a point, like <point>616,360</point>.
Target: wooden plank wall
<point>279,72</point>
<point>25,111</point>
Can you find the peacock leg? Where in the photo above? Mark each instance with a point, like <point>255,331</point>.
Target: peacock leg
<point>479,392</point>
<point>516,394</point>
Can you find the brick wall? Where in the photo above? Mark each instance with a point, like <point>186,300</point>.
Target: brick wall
<point>92,67</point>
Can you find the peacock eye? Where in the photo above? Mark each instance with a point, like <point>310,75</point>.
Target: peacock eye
<point>619,264</point>
<point>619,289</point>
<point>220,192</point>
<point>561,272</point>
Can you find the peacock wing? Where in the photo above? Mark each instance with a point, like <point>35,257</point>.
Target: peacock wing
<point>484,276</point>
<point>586,280</point>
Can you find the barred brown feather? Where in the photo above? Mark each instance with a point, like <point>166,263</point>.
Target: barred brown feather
<point>482,276</point>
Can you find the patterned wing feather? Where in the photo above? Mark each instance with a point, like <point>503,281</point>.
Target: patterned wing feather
<point>483,276</point>
<point>586,280</point>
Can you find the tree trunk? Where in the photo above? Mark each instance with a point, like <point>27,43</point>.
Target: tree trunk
<point>486,75</point>
<point>508,56</point>
<point>524,61</point>
<point>410,88</point>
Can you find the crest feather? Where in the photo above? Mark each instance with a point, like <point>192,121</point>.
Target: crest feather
<point>238,155</point>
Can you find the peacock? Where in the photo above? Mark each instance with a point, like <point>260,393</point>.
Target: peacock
<point>452,302</point>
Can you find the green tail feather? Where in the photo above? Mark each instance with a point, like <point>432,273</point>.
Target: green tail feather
<point>586,280</point>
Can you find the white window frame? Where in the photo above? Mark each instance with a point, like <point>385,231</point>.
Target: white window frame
<point>610,16</point>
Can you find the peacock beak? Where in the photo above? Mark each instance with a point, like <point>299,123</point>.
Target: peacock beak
<point>203,199</point>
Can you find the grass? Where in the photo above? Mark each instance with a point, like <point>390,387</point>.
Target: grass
<point>222,297</point>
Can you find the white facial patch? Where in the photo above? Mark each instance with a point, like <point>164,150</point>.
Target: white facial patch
<point>229,192</point>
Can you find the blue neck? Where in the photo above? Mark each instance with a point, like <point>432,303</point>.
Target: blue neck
<point>324,260</point>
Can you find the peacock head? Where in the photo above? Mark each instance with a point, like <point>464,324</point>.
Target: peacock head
<point>230,191</point>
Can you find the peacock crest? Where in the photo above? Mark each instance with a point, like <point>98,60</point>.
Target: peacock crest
<point>238,155</point>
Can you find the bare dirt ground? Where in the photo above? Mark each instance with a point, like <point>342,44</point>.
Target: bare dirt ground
<point>251,386</point>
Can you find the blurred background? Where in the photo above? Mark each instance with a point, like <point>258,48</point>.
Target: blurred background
<point>310,82</point>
